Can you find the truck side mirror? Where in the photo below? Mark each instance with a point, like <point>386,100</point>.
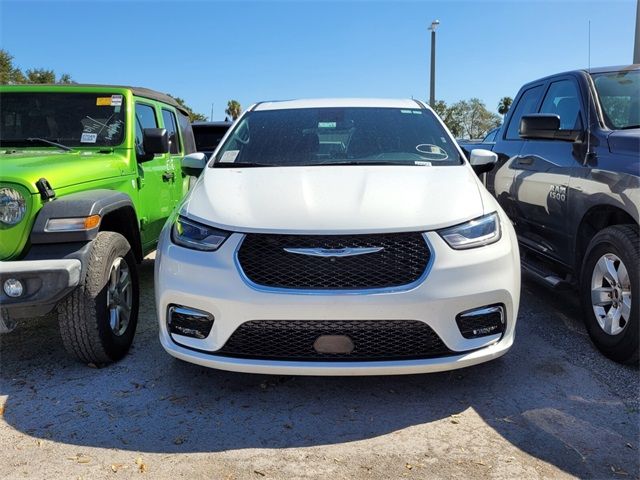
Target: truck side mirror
<point>482,160</point>
<point>545,126</point>
<point>154,140</point>
<point>194,163</point>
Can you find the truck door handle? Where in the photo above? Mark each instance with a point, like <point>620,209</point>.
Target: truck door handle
<point>168,176</point>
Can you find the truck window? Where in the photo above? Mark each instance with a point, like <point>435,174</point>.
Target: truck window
<point>171,125</point>
<point>145,118</point>
<point>562,99</point>
<point>527,104</point>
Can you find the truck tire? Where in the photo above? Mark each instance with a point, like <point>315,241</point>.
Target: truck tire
<point>98,319</point>
<point>610,292</point>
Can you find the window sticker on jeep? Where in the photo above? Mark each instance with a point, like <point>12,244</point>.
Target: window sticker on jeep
<point>116,100</point>
<point>112,101</point>
<point>89,138</point>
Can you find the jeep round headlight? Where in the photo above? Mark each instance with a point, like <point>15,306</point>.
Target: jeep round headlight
<point>12,206</point>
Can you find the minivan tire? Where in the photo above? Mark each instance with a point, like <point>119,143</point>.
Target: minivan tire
<point>88,316</point>
<point>616,242</point>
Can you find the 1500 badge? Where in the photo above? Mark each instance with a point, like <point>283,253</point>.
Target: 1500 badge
<point>558,192</point>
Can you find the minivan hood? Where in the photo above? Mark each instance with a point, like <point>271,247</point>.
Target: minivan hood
<point>337,199</point>
<point>61,169</point>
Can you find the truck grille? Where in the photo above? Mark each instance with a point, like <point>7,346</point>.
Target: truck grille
<point>402,260</point>
<point>372,340</point>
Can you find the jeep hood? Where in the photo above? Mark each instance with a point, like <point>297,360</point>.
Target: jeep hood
<point>338,199</point>
<point>61,169</point>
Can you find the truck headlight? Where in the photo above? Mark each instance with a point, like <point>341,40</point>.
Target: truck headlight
<point>12,206</point>
<point>474,233</point>
<point>197,236</point>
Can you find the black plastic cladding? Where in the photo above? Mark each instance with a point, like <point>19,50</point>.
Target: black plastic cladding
<point>402,261</point>
<point>372,339</point>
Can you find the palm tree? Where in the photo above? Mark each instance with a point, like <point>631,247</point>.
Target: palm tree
<point>503,106</point>
<point>233,109</point>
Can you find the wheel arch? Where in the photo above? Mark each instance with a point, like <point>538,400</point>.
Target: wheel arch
<point>595,219</point>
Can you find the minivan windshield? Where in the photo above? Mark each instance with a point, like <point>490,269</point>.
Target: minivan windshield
<point>30,119</point>
<point>335,136</point>
<point>619,94</point>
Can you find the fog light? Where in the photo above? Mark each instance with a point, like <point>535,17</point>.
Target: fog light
<point>13,287</point>
<point>482,322</point>
<point>189,322</point>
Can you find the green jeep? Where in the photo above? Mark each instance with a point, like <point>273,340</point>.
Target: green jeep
<point>88,176</point>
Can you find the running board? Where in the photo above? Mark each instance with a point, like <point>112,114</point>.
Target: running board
<point>548,278</point>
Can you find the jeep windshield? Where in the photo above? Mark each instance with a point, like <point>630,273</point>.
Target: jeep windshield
<point>337,136</point>
<point>619,94</point>
<point>29,119</point>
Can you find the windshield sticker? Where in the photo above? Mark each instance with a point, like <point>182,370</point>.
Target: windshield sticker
<point>89,138</point>
<point>113,129</point>
<point>229,156</point>
<point>422,164</point>
<point>116,100</point>
<point>327,124</point>
<point>103,101</point>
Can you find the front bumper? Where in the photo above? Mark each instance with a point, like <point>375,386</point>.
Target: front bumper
<point>458,281</point>
<point>45,283</point>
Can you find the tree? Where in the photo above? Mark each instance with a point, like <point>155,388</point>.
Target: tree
<point>474,118</point>
<point>40,75</point>
<point>9,74</point>
<point>193,116</point>
<point>504,105</point>
<point>233,109</point>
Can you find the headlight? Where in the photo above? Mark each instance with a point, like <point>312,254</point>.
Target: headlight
<point>475,233</point>
<point>190,234</point>
<point>12,206</point>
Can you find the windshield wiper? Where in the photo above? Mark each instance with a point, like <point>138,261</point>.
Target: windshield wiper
<point>242,165</point>
<point>49,142</point>
<point>366,162</point>
<point>629,127</point>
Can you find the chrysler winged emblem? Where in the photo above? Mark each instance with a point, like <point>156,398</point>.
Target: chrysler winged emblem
<point>334,252</point>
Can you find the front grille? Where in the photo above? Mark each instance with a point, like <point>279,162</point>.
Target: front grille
<point>372,340</point>
<point>402,261</point>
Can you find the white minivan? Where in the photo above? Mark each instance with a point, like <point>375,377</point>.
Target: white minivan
<point>338,237</point>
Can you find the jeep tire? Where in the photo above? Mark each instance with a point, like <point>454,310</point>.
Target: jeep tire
<point>98,319</point>
<point>610,292</point>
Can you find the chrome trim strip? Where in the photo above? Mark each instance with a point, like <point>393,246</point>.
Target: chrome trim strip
<point>484,311</point>
<point>367,291</point>
<point>334,252</point>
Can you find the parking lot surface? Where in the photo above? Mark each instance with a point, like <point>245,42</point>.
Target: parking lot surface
<point>553,407</point>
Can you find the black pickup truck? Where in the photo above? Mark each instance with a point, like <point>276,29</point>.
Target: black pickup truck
<point>568,176</point>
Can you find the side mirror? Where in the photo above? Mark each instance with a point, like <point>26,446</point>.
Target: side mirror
<point>482,160</point>
<point>194,163</point>
<point>545,126</point>
<point>154,140</point>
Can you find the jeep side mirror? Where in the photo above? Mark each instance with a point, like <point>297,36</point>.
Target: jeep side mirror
<point>154,140</point>
<point>482,160</point>
<point>194,163</point>
<point>545,126</point>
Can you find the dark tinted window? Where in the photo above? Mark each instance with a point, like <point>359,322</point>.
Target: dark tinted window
<point>527,104</point>
<point>313,136</point>
<point>187,134</point>
<point>562,99</point>
<point>72,119</point>
<point>171,125</point>
<point>208,136</point>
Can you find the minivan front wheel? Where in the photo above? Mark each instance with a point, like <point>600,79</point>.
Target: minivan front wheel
<point>98,319</point>
<point>610,292</point>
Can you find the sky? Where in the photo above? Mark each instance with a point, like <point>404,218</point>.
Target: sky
<point>208,52</point>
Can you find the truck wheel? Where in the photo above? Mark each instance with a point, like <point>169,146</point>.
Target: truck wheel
<point>98,319</point>
<point>610,292</point>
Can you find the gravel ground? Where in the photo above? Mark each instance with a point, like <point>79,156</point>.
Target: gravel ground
<point>551,408</point>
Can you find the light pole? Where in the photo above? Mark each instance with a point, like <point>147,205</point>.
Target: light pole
<point>432,90</point>
<point>636,47</point>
